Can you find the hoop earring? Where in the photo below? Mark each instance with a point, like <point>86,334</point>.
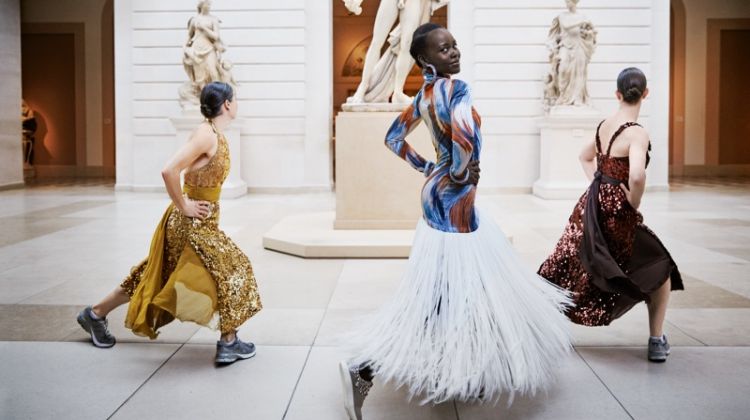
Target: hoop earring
<point>429,69</point>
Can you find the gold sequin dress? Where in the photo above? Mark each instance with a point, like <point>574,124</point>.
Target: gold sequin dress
<point>193,270</point>
<point>606,256</point>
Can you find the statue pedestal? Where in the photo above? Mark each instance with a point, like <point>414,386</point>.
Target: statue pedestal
<point>375,189</point>
<point>28,171</point>
<point>377,196</point>
<point>234,186</point>
<point>563,134</point>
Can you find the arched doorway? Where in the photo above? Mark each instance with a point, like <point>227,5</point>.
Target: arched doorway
<point>677,88</point>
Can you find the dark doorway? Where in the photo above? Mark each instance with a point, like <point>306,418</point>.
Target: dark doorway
<point>734,89</point>
<point>49,88</point>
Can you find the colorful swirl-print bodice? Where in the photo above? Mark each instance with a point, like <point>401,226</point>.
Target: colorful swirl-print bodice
<point>445,106</point>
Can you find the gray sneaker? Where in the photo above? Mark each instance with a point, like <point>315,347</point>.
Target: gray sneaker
<point>97,328</point>
<point>658,349</point>
<point>355,390</point>
<point>231,352</point>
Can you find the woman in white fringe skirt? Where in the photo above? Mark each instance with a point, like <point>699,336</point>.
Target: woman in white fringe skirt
<point>469,321</point>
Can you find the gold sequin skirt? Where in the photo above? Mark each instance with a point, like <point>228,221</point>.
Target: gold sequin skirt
<point>193,272</point>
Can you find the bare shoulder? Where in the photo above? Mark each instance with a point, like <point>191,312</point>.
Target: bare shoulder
<point>636,135</point>
<point>203,137</point>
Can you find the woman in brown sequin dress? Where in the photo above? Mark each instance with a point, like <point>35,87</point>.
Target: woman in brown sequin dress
<point>607,257</point>
<point>193,271</point>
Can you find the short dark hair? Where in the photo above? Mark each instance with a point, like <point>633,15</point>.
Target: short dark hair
<point>631,83</point>
<point>213,97</point>
<point>419,40</point>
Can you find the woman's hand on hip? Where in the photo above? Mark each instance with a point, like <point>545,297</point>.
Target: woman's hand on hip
<point>196,209</point>
<point>473,172</point>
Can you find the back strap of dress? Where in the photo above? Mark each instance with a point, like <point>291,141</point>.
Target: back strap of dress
<point>617,133</point>
<point>598,140</point>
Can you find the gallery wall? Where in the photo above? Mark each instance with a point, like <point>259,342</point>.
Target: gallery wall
<point>282,52</point>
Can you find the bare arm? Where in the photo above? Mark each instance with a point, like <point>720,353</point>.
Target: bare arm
<point>200,143</point>
<point>637,157</point>
<point>588,158</point>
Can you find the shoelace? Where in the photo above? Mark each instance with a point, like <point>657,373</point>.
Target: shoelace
<point>104,322</point>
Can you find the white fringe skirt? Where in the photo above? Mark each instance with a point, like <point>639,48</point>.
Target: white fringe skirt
<point>469,321</point>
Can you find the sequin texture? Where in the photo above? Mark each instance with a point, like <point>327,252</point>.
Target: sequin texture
<point>229,267</point>
<point>618,220</point>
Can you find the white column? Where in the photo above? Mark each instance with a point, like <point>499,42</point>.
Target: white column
<point>11,160</point>
<point>658,85</point>
<point>318,93</point>
<point>123,96</point>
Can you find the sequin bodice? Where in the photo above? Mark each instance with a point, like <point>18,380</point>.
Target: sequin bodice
<point>215,171</point>
<point>614,167</point>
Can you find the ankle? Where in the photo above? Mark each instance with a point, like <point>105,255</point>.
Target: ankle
<point>97,313</point>
<point>660,337</point>
<point>228,338</point>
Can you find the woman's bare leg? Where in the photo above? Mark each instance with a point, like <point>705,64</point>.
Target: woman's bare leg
<point>114,299</point>
<point>657,309</point>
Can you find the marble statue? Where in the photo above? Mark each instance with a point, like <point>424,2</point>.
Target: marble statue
<point>571,41</point>
<point>202,55</point>
<point>383,77</point>
<point>28,124</point>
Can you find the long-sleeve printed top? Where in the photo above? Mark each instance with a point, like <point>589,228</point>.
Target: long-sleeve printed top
<point>447,196</point>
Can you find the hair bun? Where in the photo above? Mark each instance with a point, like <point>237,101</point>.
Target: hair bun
<point>633,94</point>
<point>206,110</point>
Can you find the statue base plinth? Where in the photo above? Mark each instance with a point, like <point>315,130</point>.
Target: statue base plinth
<point>234,186</point>
<point>377,197</point>
<point>563,133</point>
<point>374,107</point>
<point>375,189</point>
<point>28,171</point>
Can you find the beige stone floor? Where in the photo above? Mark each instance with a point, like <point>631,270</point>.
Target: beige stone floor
<point>64,245</point>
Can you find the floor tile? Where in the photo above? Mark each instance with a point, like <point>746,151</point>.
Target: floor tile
<point>274,327</point>
<point>74,380</point>
<point>319,395</point>
<point>714,326</point>
<point>695,383</point>
<point>629,330</point>
<point>576,394</point>
<point>189,386</point>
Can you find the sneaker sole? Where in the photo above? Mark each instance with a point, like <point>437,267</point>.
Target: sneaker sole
<point>228,360</point>
<point>658,359</point>
<point>87,327</point>
<point>346,382</point>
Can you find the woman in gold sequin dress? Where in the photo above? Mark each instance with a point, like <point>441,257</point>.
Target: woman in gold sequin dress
<point>607,257</point>
<point>193,270</point>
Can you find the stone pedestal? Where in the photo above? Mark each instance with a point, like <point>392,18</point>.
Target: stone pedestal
<point>234,186</point>
<point>563,133</point>
<point>377,196</point>
<point>375,189</point>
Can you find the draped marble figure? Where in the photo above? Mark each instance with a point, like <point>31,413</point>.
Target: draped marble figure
<point>201,56</point>
<point>383,77</point>
<point>571,41</point>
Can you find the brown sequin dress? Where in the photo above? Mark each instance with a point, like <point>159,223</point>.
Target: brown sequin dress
<point>607,257</point>
<point>193,271</point>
